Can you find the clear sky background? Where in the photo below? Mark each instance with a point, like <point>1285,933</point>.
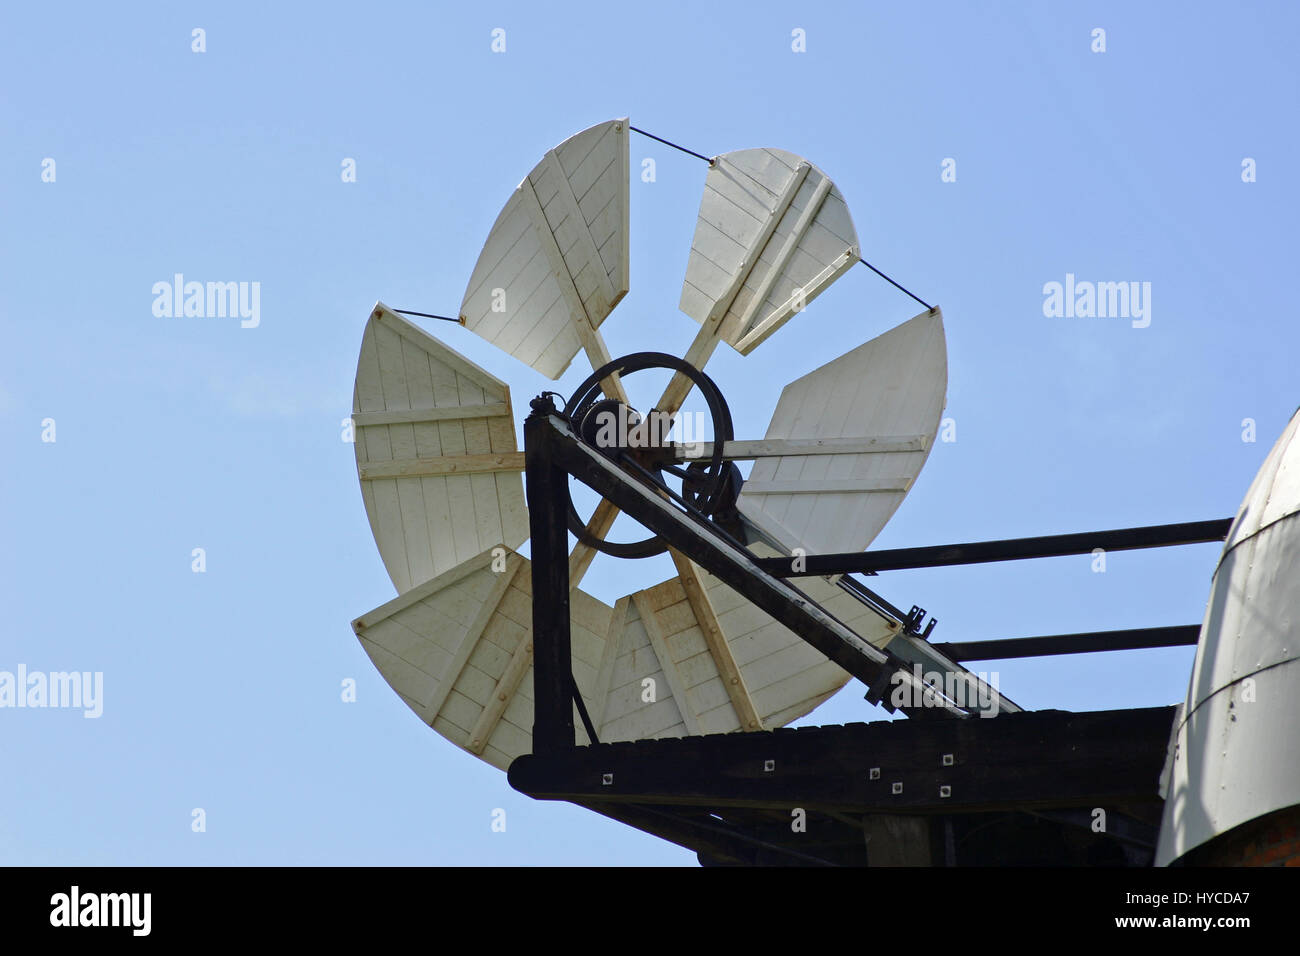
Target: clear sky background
<point>222,689</point>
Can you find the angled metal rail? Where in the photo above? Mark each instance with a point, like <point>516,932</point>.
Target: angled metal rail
<point>1010,549</point>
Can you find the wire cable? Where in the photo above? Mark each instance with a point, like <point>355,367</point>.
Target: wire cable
<point>894,284</point>
<point>688,152</point>
<point>429,315</point>
<point>691,152</point>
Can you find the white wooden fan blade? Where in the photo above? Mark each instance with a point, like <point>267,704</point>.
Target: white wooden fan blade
<point>439,466</point>
<point>556,261</point>
<point>891,390</point>
<point>459,651</point>
<point>765,676</point>
<point>773,233</point>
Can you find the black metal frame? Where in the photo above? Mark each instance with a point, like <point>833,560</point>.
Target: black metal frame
<point>552,452</point>
<point>1039,771</point>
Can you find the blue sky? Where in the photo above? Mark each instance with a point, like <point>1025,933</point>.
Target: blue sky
<point>222,689</point>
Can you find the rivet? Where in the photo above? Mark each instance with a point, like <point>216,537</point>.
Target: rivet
<point>769,766</point>
<point>945,791</point>
<point>947,760</point>
<point>896,787</point>
<point>606,779</point>
<point>874,774</point>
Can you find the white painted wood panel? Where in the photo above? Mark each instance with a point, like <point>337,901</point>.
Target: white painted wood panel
<point>627,715</point>
<point>779,447</point>
<point>773,233</point>
<point>655,633</point>
<point>458,649</point>
<point>557,254</point>
<point>893,385</point>
<point>423,413</point>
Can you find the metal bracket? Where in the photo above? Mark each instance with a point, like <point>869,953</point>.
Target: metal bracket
<point>915,618</point>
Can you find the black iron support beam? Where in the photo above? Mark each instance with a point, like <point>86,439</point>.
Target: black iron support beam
<point>546,489</point>
<point>1182,635</point>
<point>735,567</point>
<point>1013,549</point>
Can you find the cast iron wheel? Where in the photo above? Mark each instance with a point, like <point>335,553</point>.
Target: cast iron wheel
<point>706,484</point>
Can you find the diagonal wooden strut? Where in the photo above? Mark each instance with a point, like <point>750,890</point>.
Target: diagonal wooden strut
<point>716,641</point>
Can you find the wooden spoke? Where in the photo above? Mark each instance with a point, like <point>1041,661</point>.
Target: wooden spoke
<point>723,659</point>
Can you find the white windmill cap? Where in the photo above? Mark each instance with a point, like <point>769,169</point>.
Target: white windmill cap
<point>1233,755</point>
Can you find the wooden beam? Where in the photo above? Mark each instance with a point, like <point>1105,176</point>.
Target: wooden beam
<point>419,416</point>
<point>551,249</point>
<point>586,244</point>
<point>654,630</point>
<point>833,486</point>
<point>760,332</point>
<point>710,333</point>
<point>780,447</point>
<point>593,343</point>
<point>761,238</point>
<point>625,204</point>
<point>783,255</point>
<point>716,640</point>
<point>520,661</point>
<point>1022,761</point>
<point>445,465</point>
<point>602,519</point>
<point>702,348</point>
